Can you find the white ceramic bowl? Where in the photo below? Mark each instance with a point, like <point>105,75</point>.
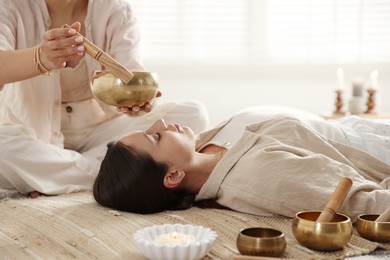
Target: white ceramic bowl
<point>147,241</point>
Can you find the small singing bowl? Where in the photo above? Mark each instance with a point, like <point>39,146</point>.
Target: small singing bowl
<point>109,89</point>
<point>261,242</point>
<point>322,236</point>
<point>371,230</point>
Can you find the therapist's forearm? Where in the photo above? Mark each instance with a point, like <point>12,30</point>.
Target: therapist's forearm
<point>17,65</point>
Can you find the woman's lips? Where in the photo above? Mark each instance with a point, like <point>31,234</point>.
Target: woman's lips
<point>178,127</point>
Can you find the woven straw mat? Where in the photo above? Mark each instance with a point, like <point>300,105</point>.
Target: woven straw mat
<point>74,226</point>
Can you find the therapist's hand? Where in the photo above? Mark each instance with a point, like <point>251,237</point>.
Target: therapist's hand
<point>61,45</point>
<point>137,110</point>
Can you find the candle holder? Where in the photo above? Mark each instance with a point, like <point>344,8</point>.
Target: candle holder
<point>174,241</point>
<point>371,101</point>
<point>339,103</point>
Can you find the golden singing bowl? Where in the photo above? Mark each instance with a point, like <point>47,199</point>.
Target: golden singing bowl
<point>371,230</point>
<point>109,89</point>
<point>322,236</point>
<point>261,242</point>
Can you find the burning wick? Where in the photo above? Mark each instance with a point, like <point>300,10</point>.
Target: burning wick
<point>175,238</point>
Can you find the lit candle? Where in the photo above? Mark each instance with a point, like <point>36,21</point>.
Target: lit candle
<point>175,239</point>
<point>374,79</point>
<point>340,78</point>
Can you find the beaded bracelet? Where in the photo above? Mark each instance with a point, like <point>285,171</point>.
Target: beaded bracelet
<point>37,61</point>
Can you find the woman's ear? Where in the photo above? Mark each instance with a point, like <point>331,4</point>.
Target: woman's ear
<point>173,178</point>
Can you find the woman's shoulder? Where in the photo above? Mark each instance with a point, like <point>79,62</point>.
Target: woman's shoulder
<point>21,20</point>
<point>15,7</point>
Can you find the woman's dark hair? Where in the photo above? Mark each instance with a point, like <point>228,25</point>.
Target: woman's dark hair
<point>131,181</point>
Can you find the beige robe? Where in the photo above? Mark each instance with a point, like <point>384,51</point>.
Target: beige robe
<point>281,166</point>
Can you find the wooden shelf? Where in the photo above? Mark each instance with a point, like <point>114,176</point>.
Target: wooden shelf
<point>330,115</point>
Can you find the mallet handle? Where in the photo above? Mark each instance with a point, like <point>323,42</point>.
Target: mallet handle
<point>336,200</point>
<point>106,60</point>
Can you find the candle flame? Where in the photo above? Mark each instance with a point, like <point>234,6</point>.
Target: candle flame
<point>340,78</point>
<point>374,79</point>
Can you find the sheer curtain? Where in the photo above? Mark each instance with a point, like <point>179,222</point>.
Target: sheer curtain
<point>261,32</point>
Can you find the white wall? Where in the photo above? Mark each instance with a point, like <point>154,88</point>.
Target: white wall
<point>225,90</point>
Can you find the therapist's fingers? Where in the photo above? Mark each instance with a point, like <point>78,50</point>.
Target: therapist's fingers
<point>136,110</point>
<point>60,45</point>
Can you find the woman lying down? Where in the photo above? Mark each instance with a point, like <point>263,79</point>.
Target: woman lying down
<point>252,163</point>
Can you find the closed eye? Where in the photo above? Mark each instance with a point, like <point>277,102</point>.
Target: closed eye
<point>156,136</point>
<point>153,138</point>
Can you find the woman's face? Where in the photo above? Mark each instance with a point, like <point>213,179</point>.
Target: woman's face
<point>171,144</point>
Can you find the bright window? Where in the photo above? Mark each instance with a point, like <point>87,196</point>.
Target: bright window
<point>253,32</point>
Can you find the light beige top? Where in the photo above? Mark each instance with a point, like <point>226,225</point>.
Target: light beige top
<point>36,102</point>
<point>75,83</point>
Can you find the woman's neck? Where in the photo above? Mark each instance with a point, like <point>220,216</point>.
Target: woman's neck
<point>204,164</point>
<point>67,11</point>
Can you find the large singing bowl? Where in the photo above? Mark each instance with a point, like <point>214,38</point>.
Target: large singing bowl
<point>109,89</point>
<point>322,236</point>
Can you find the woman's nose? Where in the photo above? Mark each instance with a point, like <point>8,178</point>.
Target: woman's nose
<point>159,125</point>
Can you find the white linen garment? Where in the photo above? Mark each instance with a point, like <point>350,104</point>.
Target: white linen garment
<point>282,165</point>
<point>32,154</point>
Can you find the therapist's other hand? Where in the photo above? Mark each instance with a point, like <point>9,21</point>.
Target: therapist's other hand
<point>138,110</point>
